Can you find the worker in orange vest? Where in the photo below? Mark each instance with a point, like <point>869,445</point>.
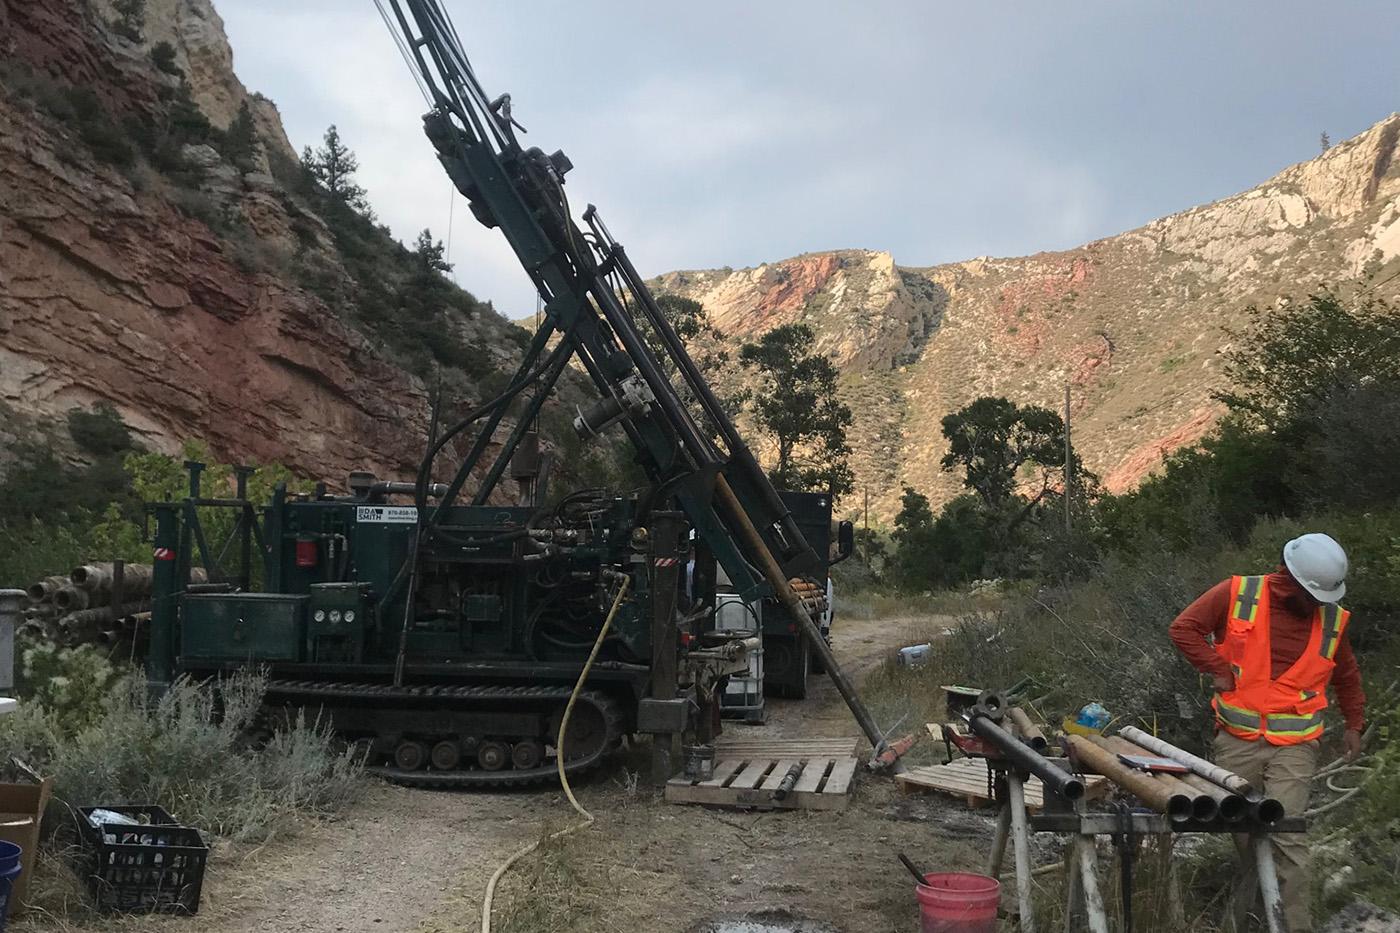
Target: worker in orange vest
<point>1272,644</point>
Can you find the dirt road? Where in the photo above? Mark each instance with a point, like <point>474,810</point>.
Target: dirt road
<point>418,861</point>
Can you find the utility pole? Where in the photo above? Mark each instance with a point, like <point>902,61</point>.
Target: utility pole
<point>1069,469</point>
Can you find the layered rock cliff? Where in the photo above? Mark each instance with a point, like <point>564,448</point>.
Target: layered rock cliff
<point>1134,323</point>
<point>203,296</point>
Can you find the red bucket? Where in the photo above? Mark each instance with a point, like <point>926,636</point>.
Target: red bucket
<point>958,902</point>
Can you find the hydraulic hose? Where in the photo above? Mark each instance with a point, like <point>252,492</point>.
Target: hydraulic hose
<point>587,820</point>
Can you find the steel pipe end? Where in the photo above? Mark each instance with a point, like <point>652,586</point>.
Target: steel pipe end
<point>1073,789</point>
<point>1204,809</point>
<point>1179,808</point>
<point>1268,811</point>
<point>1233,808</point>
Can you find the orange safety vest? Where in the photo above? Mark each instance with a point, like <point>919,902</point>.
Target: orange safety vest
<point>1286,711</point>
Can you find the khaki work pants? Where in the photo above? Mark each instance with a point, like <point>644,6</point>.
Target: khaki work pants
<point>1285,773</point>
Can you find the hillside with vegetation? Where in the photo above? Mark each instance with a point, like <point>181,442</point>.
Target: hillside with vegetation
<point>1136,324</point>
<point>167,254</point>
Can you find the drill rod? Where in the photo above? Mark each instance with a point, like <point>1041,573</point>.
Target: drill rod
<point>774,574</point>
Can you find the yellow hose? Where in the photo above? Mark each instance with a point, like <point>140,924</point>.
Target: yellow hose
<point>559,759</point>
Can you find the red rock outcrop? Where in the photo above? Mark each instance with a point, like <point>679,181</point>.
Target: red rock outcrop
<point>112,294</point>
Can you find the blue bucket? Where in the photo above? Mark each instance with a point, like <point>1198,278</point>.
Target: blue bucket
<point>9,871</point>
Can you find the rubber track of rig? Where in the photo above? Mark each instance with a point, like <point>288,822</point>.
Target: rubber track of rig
<point>303,690</point>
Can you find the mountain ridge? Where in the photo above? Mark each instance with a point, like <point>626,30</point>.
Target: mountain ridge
<point>1134,322</point>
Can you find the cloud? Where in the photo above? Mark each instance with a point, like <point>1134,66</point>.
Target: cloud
<point>734,133</point>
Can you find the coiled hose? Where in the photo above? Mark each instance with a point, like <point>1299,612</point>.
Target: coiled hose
<point>559,759</point>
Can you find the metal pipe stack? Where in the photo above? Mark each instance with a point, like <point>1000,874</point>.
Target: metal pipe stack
<point>1265,810</point>
<point>812,596</point>
<point>1206,792</point>
<point>78,609</point>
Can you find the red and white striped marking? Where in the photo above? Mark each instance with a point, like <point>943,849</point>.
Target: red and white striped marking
<point>163,553</point>
<point>666,561</point>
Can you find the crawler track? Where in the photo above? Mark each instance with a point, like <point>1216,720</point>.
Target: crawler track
<point>585,753</point>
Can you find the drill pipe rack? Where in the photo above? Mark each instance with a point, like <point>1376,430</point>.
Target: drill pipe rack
<point>1174,804</point>
<point>1003,734</point>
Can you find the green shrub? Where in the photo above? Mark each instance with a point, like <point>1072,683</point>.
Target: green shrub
<point>163,57</point>
<point>190,752</point>
<point>71,684</point>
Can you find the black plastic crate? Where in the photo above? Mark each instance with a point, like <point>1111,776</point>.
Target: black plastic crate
<point>155,867</point>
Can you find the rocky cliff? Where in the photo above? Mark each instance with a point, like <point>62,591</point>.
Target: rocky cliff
<point>203,295</point>
<point>1134,323</point>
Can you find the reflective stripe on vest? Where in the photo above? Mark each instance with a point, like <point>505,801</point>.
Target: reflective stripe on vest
<point>1295,726</point>
<point>1245,605</point>
<point>1331,629</point>
<point>1237,717</point>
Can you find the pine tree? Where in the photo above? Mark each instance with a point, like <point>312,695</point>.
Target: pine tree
<point>334,166</point>
<point>163,57</point>
<point>428,255</point>
<point>241,140</point>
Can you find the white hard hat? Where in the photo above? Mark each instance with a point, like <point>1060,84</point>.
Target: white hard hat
<point>1319,564</point>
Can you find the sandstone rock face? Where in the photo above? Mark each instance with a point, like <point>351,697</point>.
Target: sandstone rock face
<point>177,301</point>
<point>1133,323</point>
<point>112,295</point>
<point>202,52</point>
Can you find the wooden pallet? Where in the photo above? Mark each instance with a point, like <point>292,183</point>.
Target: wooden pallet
<point>817,747</point>
<point>825,784</point>
<point>967,778</point>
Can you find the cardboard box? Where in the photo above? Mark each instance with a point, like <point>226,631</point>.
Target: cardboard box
<point>21,813</point>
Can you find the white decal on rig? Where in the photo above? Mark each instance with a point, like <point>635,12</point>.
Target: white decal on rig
<point>399,514</point>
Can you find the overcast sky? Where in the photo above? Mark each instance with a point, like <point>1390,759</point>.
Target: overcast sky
<point>734,133</point>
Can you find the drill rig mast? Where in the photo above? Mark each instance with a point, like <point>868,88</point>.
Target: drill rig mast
<point>592,297</point>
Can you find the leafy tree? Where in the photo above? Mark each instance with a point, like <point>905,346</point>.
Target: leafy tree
<point>131,19</point>
<point>955,547</point>
<point>1289,363</point>
<point>334,167</point>
<point>992,440</point>
<point>163,57</point>
<point>913,533</point>
<point>915,514</point>
<point>1325,141</point>
<point>795,403</point>
<point>1313,420</point>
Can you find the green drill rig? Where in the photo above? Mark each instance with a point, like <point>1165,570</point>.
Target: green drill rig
<point>444,632</point>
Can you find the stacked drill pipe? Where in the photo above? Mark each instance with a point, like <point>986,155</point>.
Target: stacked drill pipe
<point>1200,805</point>
<point>1157,795</point>
<point>1211,778</point>
<point>78,610</point>
<point>812,596</point>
